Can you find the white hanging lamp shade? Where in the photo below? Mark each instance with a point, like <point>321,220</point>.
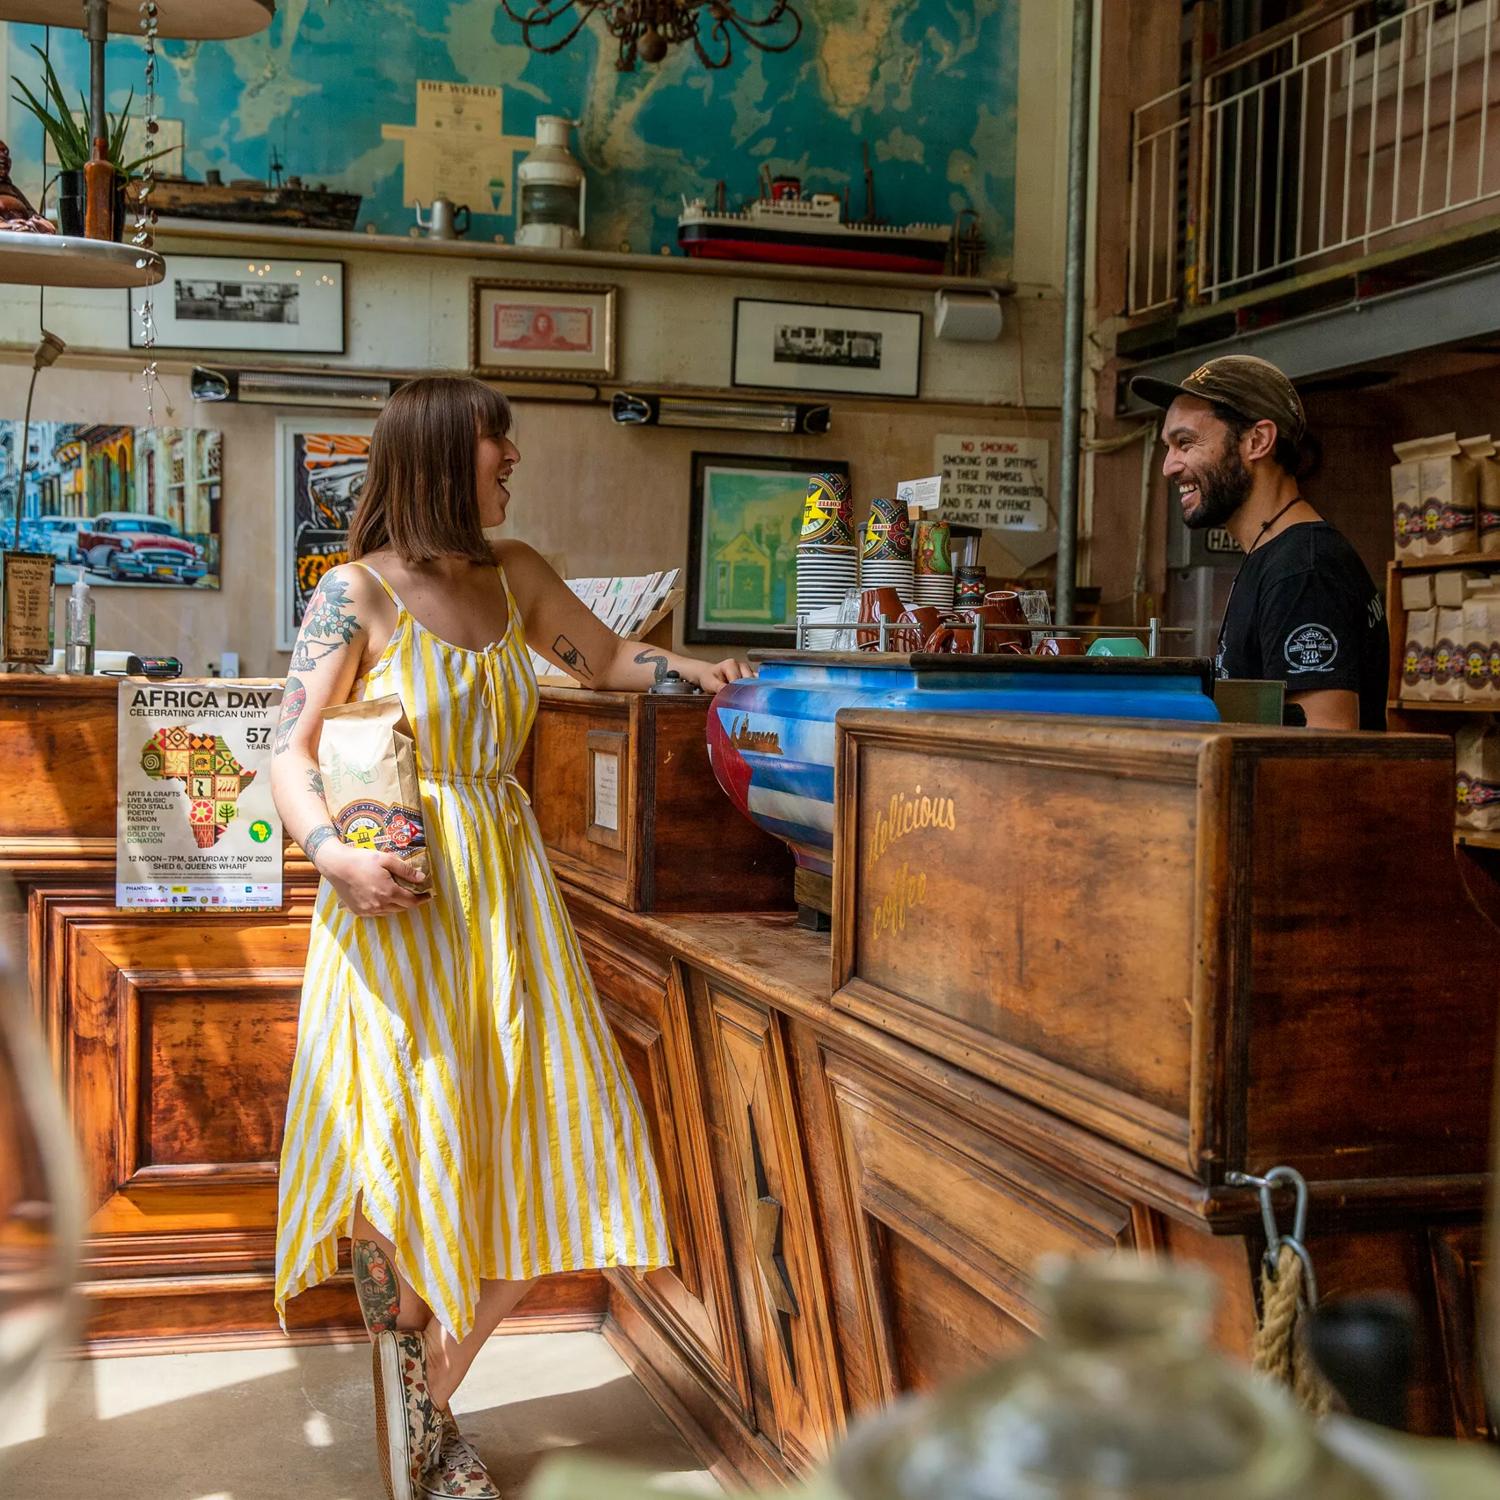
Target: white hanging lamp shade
<point>187,20</point>
<point>71,260</point>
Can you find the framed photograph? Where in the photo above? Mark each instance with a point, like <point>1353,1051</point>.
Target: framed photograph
<point>807,346</point>
<point>231,302</point>
<point>120,505</point>
<point>541,330</point>
<point>744,524</point>
<point>320,471</point>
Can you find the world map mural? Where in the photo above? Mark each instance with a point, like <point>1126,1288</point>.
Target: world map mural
<point>928,85</point>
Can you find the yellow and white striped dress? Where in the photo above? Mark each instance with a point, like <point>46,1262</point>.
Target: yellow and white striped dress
<point>454,1071</point>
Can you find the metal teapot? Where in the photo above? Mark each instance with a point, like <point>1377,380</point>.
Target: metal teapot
<point>442,221</point>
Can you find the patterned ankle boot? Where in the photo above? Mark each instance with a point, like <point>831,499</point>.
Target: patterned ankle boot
<point>408,1428</point>
<point>457,1470</point>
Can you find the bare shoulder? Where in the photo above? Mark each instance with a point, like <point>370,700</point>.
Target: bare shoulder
<point>529,574</point>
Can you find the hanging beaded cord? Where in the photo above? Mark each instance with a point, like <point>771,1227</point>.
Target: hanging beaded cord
<point>144,230</point>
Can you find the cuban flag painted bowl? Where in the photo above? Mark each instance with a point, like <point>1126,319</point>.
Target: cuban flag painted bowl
<point>771,737</point>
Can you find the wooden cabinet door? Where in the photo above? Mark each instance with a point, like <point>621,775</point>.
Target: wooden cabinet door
<point>692,1298</point>
<point>943,1225</point>
<point>777,1261</point>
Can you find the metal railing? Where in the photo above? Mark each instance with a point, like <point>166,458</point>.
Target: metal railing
<point>1324,140</point>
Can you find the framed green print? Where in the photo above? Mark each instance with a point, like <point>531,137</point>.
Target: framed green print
<point>746,517</point>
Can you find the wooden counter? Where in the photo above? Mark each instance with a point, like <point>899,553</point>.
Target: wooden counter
<point>1143,956</point>
<point>1163,953</point>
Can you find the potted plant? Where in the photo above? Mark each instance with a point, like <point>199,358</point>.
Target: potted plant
<point>69,136</point>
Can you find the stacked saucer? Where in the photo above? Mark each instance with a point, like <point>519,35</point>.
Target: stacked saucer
<point>885,558</point>
<point>827,560</point>
<point>934,565</point>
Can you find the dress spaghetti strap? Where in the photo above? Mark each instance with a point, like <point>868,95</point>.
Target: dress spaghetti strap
<point>380,579</point>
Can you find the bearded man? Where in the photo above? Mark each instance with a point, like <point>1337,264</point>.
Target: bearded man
<point>1303,609</point>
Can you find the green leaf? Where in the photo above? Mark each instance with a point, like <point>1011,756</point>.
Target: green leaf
<point>62,130</point>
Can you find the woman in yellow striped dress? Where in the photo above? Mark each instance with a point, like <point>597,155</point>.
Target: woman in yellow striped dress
<point>458,1107</point>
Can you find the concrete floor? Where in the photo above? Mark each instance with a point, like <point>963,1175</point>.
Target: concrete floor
<point>272,1423</point>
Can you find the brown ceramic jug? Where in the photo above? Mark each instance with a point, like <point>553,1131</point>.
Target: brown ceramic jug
<point>875,605</point>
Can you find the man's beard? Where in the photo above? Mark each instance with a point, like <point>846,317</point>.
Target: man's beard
<point>1222,488</point>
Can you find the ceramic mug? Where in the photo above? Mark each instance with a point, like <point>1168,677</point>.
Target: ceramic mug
<point>875,605</point>
<point>1004,608</point>
<point>924,620</point>
<point>1117,645</point>
<point>958,635</point>
<point>1059,645</point>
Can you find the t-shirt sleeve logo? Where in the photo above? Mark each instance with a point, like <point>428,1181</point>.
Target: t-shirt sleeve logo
<point>1311,648</point>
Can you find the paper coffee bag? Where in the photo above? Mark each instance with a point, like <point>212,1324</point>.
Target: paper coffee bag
<point>1416,654</point>
<point>1406,498</point>
<point>1477,751</point>
<point>1481,647</point>
<point>1486,458</point>
<point>1448,656</point>
<point>368,763</point>
<point>1450,483</point>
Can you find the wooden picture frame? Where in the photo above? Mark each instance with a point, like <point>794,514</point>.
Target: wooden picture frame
<point>741,583</point>
<point>541,330</point>
<point>826,348</point>
<point>606,787</point>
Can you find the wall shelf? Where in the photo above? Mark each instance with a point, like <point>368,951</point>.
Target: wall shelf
<point>174,233</point>
<point>1472,840</point>
<point>1425,705</point>
<point>1458,560</point>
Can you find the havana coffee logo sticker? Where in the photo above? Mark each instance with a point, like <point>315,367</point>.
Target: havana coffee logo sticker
<point>1311,648</point>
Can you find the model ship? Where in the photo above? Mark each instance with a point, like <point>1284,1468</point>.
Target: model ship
<point>292,204</point>
<point>792,228</point>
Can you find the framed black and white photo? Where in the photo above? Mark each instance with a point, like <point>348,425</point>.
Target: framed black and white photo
<point>808,346</point>
<point>245,304</point>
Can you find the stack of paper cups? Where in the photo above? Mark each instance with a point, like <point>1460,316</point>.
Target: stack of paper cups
<point>827,559</point>
<point>885,557</point>
<point>934,565</point>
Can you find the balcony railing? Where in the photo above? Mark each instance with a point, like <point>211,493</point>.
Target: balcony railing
<point>1323,141</point>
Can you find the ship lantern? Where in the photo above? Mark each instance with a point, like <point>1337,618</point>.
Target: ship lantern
<point>553,189</point>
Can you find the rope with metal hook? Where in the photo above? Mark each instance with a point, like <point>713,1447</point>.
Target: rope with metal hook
<point>1288,1292</point>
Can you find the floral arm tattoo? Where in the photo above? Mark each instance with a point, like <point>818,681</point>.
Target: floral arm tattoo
<point>376,1285</point>
<point>330,622</point>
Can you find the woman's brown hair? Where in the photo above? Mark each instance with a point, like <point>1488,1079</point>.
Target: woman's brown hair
<point>418,497</point>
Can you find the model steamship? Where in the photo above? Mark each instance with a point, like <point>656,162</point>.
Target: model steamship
<point>787,226</point>
<point>292,203</point>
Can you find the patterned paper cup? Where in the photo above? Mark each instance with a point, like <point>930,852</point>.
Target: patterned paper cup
<point>932,555</point>
<point>827,516</point>
<point>888,531</point>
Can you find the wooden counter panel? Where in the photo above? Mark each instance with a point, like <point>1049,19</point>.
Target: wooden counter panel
<point>693,1297</point>
<point>1028,963</point>
<point>948,1225</point>
<point>568,727</point>
<point>1372,1038</point>
<point>57,758</point>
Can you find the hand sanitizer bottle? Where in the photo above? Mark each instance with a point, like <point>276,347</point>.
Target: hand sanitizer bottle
<point>80,629</point>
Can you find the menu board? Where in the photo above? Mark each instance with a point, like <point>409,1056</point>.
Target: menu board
<point>28,607</point>
<point>999,483</point>
<point>195,823</point>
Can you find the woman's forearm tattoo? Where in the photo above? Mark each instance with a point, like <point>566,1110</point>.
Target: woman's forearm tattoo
<point>317,838</point>
<point>376,1286</point>
<point>657,661</point>
<point>315,783</point>
<point>293,701</point>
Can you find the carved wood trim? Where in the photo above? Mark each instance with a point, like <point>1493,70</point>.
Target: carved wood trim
<point>1458,1268</point>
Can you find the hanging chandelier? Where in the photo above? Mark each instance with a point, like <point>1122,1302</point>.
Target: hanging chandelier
<point>645,29</point>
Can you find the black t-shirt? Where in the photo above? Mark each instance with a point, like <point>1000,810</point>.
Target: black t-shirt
<point>1305,612</point>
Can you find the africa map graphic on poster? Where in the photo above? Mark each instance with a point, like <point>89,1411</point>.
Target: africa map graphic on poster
<point>206,767</point>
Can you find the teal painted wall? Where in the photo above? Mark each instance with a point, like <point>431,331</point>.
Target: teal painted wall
<point>929,85</point>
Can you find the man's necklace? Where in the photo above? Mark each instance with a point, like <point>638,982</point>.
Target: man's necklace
<point>1265,526</point>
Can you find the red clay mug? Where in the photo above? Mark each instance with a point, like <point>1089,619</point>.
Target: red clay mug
<point>875,605</point>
